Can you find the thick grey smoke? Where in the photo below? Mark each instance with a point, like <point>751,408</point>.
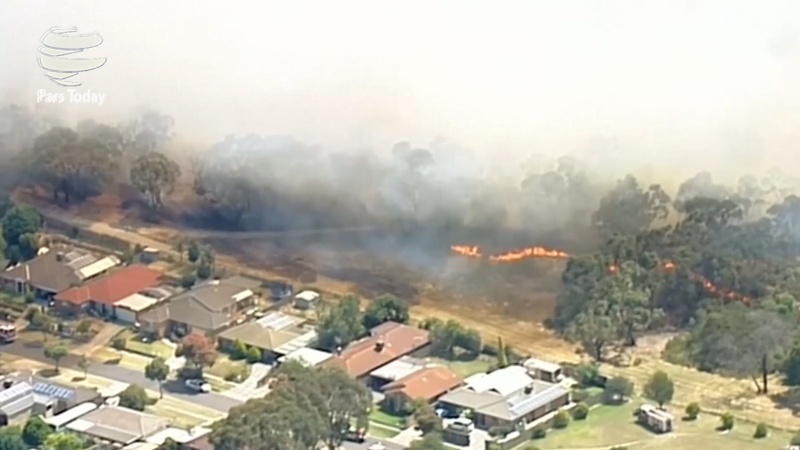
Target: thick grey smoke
<point>495,94</point>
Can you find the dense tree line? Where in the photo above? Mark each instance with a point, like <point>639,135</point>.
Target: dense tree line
<point>717,260</point>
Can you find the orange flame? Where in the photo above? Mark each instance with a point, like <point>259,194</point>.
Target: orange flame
<point>463,250</point>
<point>529,252</point>
<point>710,287</point>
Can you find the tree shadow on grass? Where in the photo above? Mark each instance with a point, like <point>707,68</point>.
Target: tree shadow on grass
<point>48,373</point>
<point>789,399</point>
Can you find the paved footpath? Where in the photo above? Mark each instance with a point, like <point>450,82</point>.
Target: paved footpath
<point>175,389</point>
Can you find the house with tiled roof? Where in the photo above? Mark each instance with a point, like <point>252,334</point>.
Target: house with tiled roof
<point>54,270</point>
<point>386,343</point>
<point>426,384</point>
<point>102,293</point>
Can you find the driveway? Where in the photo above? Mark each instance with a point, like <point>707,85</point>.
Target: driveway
<point>249,388</point>
<point>175,389</point>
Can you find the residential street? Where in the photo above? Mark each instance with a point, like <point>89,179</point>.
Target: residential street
<point>175,389</point>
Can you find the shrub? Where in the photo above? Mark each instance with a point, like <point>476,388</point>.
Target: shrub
<point>539,432</point>
<point>692,411</point>
<point>253,355</point>
<point>580,411</point>
<point>530,447</point>
<point>588,375</point>
<point>237,374</point>
<point>619,447</point>
<point>726,421</point>
<point>239,350</point>
<point>761,431</point>
<point>617,390</point>
<point>561,420</point>
<point>795,439</point>
<point>134,397</point>
<point>579,395</point>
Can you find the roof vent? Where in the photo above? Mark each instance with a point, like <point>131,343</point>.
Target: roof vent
<point>7,383</point>
<point>379,345</point>
<point>528,389</point>
<point>60,256</point>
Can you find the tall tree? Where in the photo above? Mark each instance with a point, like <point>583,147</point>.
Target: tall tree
<point>630,209</point>
<point>154,175</point>
<point>19,225</point>
<point>386,308</point>
<point>340,324</point>
<point>199,350</point>
<point>158,371</point>
<point>660,388</point>
<point>56,352</point>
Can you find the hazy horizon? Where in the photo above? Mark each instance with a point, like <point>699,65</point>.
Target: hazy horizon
<point>666,86</point>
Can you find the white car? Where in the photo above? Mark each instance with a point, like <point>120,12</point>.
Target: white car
<point>198,385</point>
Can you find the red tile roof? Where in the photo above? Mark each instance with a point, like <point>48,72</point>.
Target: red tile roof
<point>428,383</point>
<point>112,287</point>
<point>389,341</point>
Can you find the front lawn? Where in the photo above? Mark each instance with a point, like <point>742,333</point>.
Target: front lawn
<point>156,348</point>
<point>385,418</point>
<point>609,426</point>
<point>379,431</point>
<point>225,368</point>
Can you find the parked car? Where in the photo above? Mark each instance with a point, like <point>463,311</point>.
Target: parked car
<point>356,435</point>
<point>198,385</point>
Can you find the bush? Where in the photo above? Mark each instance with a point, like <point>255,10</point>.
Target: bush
<point>237,374</point>
<point>134,397</point>
<point>239,350</point>
<point>530,447</point>
<point>617,390</point>
<point>761,431</point>
<point>490,350</point>
<point>619,447</point>
<point>253,355</point>
<point>588,375</point>
<point>579,395</point>
<point>561,420</point>
<point>539,432</point>
<point>795,439</point>
<point>726,422</point>
<point>692,411</point>
<point>580,411</point>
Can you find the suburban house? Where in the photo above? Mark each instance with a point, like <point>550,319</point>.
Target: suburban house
<point>129,308</point>
<point>507,397</point>
<point>206,308</point>
<point>395,370</point>
<point>307,356</point>
<point>117,426</point>
<point>102,293</point>
<point>178,435</point>
<point>427,384</point>
<point>387,342</point>
<point>275,335</point>
<point>16,402</point>
<point>55,270</point>
<point>59,421</point>
<point>306,300</point>
<point>52,398</point>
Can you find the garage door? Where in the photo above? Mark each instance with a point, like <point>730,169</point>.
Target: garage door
<point>125,315</point>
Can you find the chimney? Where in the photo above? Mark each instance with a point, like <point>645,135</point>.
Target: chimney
<point>379,345</point>
<point>7,383</point>
<point>60,256</point>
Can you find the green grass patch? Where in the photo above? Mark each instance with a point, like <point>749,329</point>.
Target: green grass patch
<point>386,418</point>
<point>467,367</point>
<point>609,426</point>
<point>379,431</point>
<point>157,348</point>
<point>223,368</point>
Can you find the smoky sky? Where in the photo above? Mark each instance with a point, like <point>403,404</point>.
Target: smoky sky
<point>668,87</point>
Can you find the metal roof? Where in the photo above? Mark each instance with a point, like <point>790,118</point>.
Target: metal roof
<point>277,321</point>
<point>15,391</point>
<point>52,390</point>
<point>522,405</point>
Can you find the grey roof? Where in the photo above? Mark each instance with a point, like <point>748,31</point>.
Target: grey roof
<point>243,282</point>
<point>268,333</point>
<point>510,407</point>
<point>16,399</point>
<point>201,306</point>
<point>47,388</point>
<point>46,272</point>
<point>117,424</point>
